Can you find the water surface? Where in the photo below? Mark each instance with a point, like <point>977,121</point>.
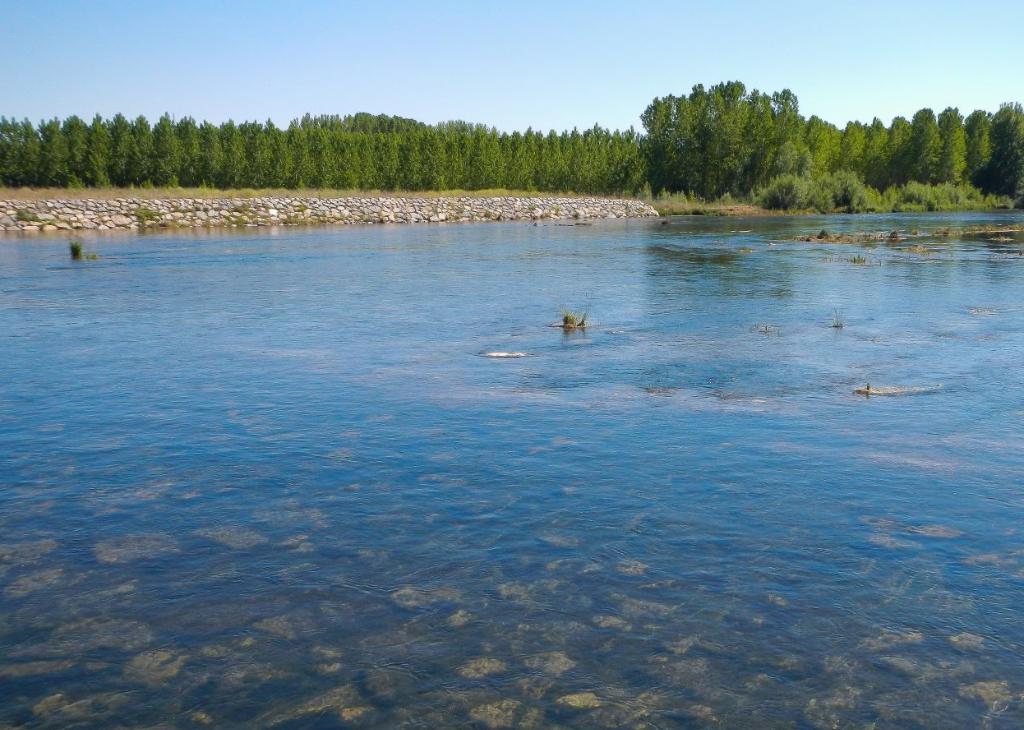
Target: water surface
<point>268,478</point>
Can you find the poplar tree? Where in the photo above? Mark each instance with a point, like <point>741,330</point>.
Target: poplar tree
<point>953,157</point>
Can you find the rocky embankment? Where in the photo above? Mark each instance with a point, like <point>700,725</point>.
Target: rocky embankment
<point>136,213</point>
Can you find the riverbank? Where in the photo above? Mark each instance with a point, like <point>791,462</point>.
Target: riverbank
<point>31,215</point>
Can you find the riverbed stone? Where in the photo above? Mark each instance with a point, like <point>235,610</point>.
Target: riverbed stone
<point>128,548</point>
<point>482,667</point>
<point>154,667</point>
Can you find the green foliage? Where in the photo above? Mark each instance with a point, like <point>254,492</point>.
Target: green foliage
<point>916,196</point>
<point>786,192</point>
<point>146,216</point>
<point>24,215</point>
<point>725,139</point>
<point>75,247</point>
<point>1004,173</point>
<point>953,154</point>
<point>357,152</point>
<point>841,191</point>
<point>715,141</point>
<point>574,320</point>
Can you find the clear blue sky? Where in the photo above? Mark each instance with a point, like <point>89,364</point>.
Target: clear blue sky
<point>509,64</point>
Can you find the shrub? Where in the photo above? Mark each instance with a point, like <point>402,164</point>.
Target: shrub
<point>847,192</point>
<point>786,192</point>
<point>915,196</point>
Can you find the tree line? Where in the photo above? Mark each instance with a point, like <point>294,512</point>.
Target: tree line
<point>725,139</point>
<point>360,151</point>
<point>715,141</point>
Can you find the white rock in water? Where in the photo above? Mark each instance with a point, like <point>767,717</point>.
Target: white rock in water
<point>501,355</point>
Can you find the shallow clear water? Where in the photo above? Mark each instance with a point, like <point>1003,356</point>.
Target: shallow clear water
<point>267,479</point>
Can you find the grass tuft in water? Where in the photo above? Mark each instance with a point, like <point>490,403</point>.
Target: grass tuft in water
<point>77,253</point>
<point>837,320</point>
<point>573,320</point>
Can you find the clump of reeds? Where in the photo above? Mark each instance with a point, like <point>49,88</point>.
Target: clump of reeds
<point>837,320</point>
<point>76,249</point>
<point>857,259</point>
<point>573,320</point>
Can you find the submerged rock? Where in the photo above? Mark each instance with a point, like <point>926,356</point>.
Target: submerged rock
<point>935,531</point>
<point>63,709</point>
<point>100,633</point>
<point>134,547</point>
<point>553,663</point>
<point>580,700</point>
<point>967,640</point>
<point>994,693</point>
<point>344,702</point>
<point>482,667</point>
<point>236,538</point>
<point>870,390</point>
<point>497,715</point>
<point>636,607</point>
<point>250,674</point>
<point>285,626</point>
<point>611,622</point>
<point>34,581</point>
<point>459,619</point>
<point>154,667</point>
<point>502,355</point>
<point>889,639</point>
<point>829,712</point>
<point>26,552</point>
<point>631,567</point>
<point>32,669</point>
<point>410,597</point>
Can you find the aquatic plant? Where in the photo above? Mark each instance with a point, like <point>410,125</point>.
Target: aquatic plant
<point>76,249</point>
<point>837,320</point>
<point>857,259</point>
<point>145,216</point>
<point>574,320</point>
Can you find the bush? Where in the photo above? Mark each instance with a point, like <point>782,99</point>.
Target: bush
<point>847,192</point>
<point>786,192</point>
<point>915,196</point>
<point>838,191</point>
